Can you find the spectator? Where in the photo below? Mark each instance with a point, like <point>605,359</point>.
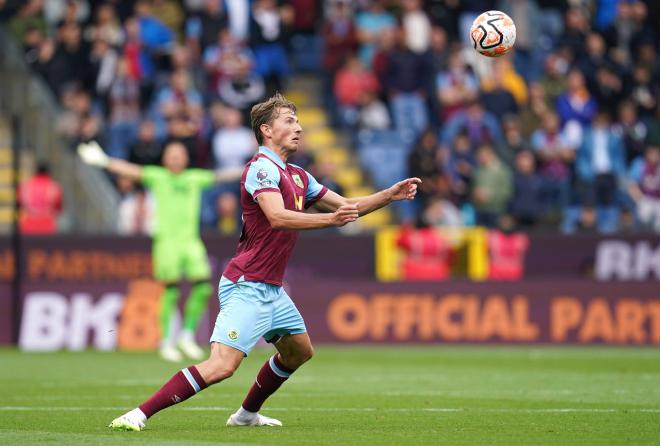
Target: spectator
<point>227,59</point>
<point>480,126</point>
<point>123,110</point>
<point>629,31</point>
<point>456,87</point>
<point>539,105</point>
<point>170,14</point>
<point>599,166</point>
<point>69,63</point>
<point>461,163</point>
<point>29,17</point>
<point>233,143</point>
<point>608,89</point>
<point>416,26</point>
<point>423,163</point>
<point>594,57</point>
<point>514,141</point>
<point>373,112</point>
<point>58,12</point>
<point>575,32</point>
<point>644,94</point>
<point>339,36</point>
<point>103,67</point>
<point>576,103</point>
<point>340,42</point>
<point>146,150</point>
<point>556,159</point>
<point>495,98</point>
<point>267,31</point>
<point>526,202</point>
<point>136,208</point>
<point>351,80</point>
<point>40,198</point>
<point>178,100</point>
<point>156,37</point>
<point>492,187</point>
<point>106,26</point>
<point>553,82</point>
<point>644,188</point>
<point>203,28</point>
<point>370,24</point>
<point>633,131</point>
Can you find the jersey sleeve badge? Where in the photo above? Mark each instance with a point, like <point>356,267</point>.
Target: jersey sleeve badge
<point>264,181</point>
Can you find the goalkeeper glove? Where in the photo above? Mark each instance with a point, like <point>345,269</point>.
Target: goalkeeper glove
<point>92,154</point>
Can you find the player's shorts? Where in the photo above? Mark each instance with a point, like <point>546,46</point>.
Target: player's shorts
<point>251,310</point>
<point>175,259</point>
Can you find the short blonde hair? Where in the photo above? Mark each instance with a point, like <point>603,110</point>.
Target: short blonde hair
<point>266,112</point>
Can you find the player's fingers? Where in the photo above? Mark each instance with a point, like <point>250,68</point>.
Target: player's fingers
<point>351,214</point>
<point>414,180</point>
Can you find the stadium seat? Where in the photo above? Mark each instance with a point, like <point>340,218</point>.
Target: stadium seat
<point>311,117</point>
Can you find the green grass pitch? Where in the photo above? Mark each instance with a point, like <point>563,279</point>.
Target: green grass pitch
<point>350,396</point>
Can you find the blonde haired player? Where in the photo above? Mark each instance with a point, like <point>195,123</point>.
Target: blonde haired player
<point>253,304</point>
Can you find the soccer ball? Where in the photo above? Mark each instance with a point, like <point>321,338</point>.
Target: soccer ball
<point>493,33</point>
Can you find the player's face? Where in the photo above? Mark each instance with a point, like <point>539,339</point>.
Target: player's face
<point>286,131</point>
<point>175,158</point>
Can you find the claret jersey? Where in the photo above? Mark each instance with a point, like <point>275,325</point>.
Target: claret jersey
<point>263,252</point>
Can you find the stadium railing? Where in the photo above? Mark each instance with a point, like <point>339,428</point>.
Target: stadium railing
<point>90,201</point>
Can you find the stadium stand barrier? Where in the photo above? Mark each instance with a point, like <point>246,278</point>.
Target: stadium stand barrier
<point>91,203</point>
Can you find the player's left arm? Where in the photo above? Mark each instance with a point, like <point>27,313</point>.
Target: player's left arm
<point>403,190</point>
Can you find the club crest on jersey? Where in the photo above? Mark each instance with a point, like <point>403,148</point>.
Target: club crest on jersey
<point>232,334</point>
<point>298,181</point>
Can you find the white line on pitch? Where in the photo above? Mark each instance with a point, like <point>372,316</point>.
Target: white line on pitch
<point>353,409</point>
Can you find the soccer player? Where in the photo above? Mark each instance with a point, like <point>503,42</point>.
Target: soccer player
<point>253,304</point>
<point>178,250</point>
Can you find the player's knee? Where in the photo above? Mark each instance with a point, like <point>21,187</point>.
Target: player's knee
<point>300,357</point>
<point>308,354</point>
<point>220,372</point>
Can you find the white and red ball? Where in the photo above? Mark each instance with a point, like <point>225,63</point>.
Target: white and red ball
<point>493,33</point>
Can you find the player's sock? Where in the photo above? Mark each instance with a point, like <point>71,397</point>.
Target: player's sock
<point>184,384</point>
<point>196,305</point>
<point>167,306</point>
<point>271,376</point>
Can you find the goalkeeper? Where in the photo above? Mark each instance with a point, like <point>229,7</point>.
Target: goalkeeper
<point>177,249</point>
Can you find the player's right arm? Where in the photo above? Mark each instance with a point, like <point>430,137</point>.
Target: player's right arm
<point>279,217</point>
<point>92,154</point>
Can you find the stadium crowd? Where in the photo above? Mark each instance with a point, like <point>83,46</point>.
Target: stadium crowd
<point>564,133</point>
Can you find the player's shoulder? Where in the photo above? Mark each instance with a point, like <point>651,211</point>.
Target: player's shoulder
<point>260,169</point>
<point>262,162</point>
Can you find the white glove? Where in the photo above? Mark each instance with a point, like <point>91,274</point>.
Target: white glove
<point>92,154</point>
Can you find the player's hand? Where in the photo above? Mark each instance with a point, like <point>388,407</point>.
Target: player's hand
<point>405,189</point>
<point>92,154</point>
<point>345,214</point>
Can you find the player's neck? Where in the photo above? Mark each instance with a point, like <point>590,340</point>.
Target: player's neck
<point>282,152</point>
